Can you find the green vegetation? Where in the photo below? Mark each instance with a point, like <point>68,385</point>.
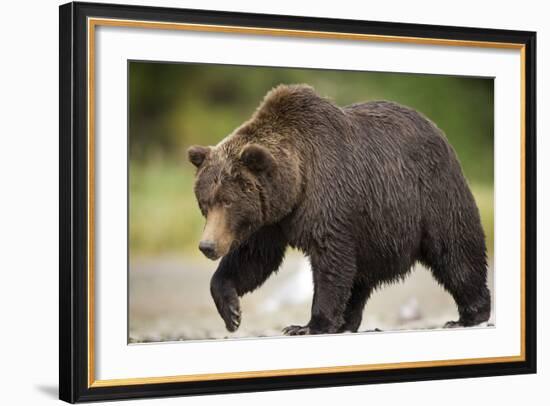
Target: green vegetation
<point>164,216</point>
<point>173,106</point>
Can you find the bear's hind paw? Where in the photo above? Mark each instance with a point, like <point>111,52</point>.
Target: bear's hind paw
<point>455,324</point>
<point>296,330</point>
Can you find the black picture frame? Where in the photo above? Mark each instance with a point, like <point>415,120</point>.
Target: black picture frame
<point>74,199</point>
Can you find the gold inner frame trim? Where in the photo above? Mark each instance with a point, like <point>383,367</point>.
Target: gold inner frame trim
<point>94,22</point>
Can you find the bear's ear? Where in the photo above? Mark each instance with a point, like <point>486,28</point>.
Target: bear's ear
<point>257,158</point>
<point>197,154</point>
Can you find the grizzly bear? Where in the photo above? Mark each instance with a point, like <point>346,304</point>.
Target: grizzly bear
<point>365,191</point>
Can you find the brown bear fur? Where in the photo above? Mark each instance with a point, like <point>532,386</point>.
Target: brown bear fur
<point>365,191</point>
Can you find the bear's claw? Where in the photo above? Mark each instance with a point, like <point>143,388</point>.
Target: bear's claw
<point>455,324</point>
<point>231,314</point>
<point>296,330</point>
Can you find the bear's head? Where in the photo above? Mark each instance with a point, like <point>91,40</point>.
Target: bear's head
<point>236,191</point>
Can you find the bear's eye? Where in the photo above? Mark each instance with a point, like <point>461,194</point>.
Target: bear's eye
<point>226,204</point>
<point>248,188</point>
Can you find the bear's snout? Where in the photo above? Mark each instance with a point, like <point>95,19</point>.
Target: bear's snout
<point>208,248</point>
<point>216,238</point>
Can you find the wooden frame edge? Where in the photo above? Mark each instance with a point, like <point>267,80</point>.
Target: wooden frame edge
<point>230,29</point>
<point>301,371</point>
<point>77,365</point>
<point>93,22</point>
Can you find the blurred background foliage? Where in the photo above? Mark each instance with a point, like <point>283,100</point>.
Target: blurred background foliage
<point>173,106</point>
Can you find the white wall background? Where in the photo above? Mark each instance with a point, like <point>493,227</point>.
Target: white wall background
<point>29,203</point>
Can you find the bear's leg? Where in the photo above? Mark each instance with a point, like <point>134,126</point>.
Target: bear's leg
<point>243,270</point>
<point>354,309</point>
<point>468,286</point>
<point>333,274</point>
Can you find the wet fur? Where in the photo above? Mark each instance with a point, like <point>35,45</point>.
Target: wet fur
<point>365,191</point>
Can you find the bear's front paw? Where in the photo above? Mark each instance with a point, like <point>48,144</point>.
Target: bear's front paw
<point>231,314</point>
<point>296,331</point>
<point>228,305</point>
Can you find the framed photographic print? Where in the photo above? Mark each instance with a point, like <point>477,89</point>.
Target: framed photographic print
<point>258,202</point>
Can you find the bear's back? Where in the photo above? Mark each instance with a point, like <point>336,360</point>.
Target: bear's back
<point>399,134</point>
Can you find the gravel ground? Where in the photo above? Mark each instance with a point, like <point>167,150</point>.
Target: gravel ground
<point>170,301</point>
